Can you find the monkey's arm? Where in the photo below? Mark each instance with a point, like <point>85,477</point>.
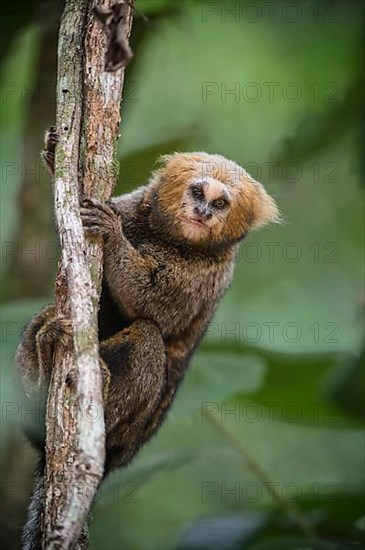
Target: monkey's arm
<point>128,271</point>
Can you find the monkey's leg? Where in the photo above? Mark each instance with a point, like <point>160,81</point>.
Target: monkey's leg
<point>34,353</point>
<point>34,358</point>
<point>137,362</point>
<point>48,153</point>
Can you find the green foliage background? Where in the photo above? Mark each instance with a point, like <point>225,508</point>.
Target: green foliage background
<point>275,396</point>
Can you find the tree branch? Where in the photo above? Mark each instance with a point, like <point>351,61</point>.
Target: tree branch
<point>88,104</point>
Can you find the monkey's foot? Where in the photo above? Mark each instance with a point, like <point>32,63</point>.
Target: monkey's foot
<point>54,334</point>
<point>48,153</point>
<point>100,219</point>
<point>57,330</point>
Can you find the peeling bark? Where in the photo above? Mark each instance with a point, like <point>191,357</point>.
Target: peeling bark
<point>88,105</point>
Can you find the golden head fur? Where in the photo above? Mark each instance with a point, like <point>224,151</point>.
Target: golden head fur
<point>210,199</point>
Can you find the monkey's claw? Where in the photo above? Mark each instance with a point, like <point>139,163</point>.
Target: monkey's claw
<point>51,139</point>
<point>99,219</point>
<point>48,153</point>
<point>71,379</point>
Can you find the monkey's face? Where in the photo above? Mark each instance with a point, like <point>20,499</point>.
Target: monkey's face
<point>210,200</point>
<point>205,205</point>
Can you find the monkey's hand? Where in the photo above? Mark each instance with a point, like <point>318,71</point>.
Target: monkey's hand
<point>100,219</point>
<point>48,153</point>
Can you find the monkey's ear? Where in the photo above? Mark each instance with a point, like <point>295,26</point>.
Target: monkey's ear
<point>265,209</point>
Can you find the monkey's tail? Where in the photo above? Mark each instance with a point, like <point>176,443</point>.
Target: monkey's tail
<point>32,531</point>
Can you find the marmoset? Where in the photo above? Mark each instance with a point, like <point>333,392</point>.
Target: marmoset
<point>169,251</point>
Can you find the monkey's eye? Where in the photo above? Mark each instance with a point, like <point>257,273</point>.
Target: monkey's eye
<point>197,192</point>
<point>220,203</point>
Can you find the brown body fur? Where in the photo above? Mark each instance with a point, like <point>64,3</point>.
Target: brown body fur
<point>163,277</point>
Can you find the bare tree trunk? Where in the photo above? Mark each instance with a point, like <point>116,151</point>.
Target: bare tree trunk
<point>88,104</point>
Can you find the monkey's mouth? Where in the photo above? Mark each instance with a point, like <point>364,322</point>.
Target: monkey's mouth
<point>197,222</point>
<point>194,227</point>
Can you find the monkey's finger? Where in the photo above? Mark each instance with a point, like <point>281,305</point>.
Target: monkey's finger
<point>91,223</point>
<point>87,201</point>
<point>87,215</point>
<point>65,325</point>
<point>91,211</point>
<point>59,329</point>
<point>94,209</point>
<point>71,379</point>
<point>102,207</point>
<point>90,218</point>
<point>112,207</point>
<point>92,203</point>
<point>52,136</point>
<point>94,231</point>
<point>97,216</point>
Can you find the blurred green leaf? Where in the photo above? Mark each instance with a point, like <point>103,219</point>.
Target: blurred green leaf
<point>318,132</point>
<point>154,6</point>
<point>180,47</point>
<point>300,543</point>
<point>222,533</point>
<point>300,461</point>
<point>255,383</point>
<point>158,464</point>
<point>17,86</point>
<point>215,377</point>
<point>347,384</point>
<point>13,22</point>
<point>135,169</point>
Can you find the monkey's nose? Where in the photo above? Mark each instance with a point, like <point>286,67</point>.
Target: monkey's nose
<point>203,211</point>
